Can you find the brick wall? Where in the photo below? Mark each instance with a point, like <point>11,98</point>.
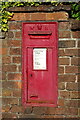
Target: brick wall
<point>68,64</point>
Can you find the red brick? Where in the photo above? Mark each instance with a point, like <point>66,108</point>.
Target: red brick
<point>75,61</point>
<point>4,43</point>
<point>6,92</point>
<point>17,93</point>
<point>13,101</point>
<point>39,110</point>
<point>20,16</point>
<point>10,34</point>
<point>3,76</point>
<point>57,16</point>
<point>6,59</point>
<point>64,94</point>
<point>17,109</point>
<point>76,34</point>
<point>64,34</point>
<point>18,35</point>
<point>14,76</point>
<point>78,43</point>
<point>9,68</point>
<point>72,86</point>
<point>60,69</point>
<point>8,115</point>
<point>5,108</point>
<point>15,51</point>
<point>72,103</point>
<point>61,86</point>
<point>64,25</point>
<point>61,102</point>
<point>14,43</point>
<point>71,111</point>
<point>11,84</point>
<point>16,59</point>
<point>61,53</point>
<point>3,51</point>
<point>15,26</point>
<point>56,111</point>
<point>75,95</point>
<point>78,111</point>
<point>72,52</point>
<point>63,61</point>
<point>20,68</point>
<point>67,78</point>
<point>72,69</point>
<point>66,44</point>
<point>38,16</point>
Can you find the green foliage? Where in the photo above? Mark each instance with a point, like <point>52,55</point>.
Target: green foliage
<point>75,13</point>
<point>6,15</point>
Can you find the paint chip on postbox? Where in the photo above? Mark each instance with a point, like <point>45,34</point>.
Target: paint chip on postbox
<point>39,58</point>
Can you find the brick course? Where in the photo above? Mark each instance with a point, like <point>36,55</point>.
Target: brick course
<point>68,68</point>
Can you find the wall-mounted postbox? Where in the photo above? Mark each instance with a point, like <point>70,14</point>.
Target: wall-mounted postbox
<point>39,66</point>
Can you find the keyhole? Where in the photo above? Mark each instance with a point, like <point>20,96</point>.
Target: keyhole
<point>30,75</point>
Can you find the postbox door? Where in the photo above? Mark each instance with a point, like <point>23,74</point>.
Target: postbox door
<point>40,72</point>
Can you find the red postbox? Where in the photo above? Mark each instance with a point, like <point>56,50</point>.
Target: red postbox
<point>39,63</point>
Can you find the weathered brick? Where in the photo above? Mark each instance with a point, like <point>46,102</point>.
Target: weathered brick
<point>9,68</point>
<point>79,112</point>
<point>72,103</point>
<point>15,51</point>
<point>76,34</point>
<point>72,69</point>
<point>16,59</point>
<point>38,16</point>
<point>64,34</point>
<point>55,111</point>
<point>12,101</point>
<point>72,86</point>
<point>9,115</point>
<point>3,51</point>
<point>57,16</point>
<point>11,84</point>
<point>15,25</point>
<point>75,94</point>
<point>14,76</point>
<point>28,110</point>
<point>5,108</point>
<point>61,102</point>
<point>71,111</point>
<point>67,78</point>
<point>39,110</point>
<point>10,34</point>
<point>61,86</point>
<point>63,61</point>
<point>6,59</point>
<point>20,16</point>
<point>18,34</point>
<point>61,53</point>
<point>78,43</point>
<point>72,52</point>
<point>17,93</point>
<point>14,43</point>
<point>60,69</point>
<point>7,92</point>
<point>64,25</point>
<point>17,109</point>
<point>66,44</point>
<point>3,76</point>
<point>64,94</point>
<point>20,68</point>
<point>4,43</point>
<point>75,61</point>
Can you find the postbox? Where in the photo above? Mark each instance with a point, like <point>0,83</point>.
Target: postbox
<point>39,63</point>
